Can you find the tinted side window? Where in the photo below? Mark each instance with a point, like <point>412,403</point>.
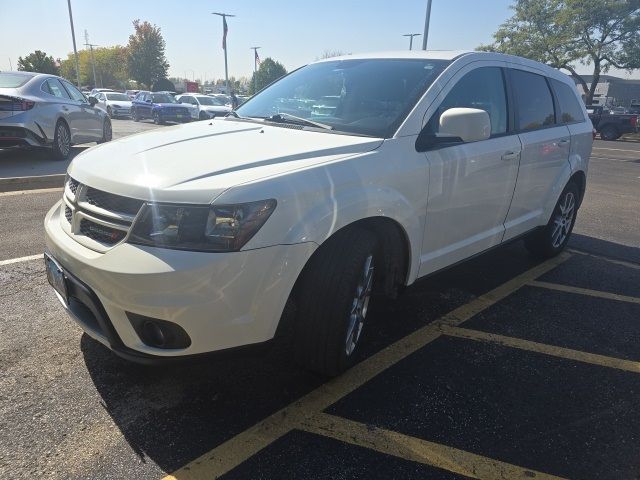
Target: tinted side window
<point>535,103</point>
<point>482,88</point>
<point>56,89</point>
<point>570,108</point>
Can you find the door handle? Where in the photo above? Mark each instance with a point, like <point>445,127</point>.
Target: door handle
<point>510,156</point>
<point>563,142</point>
<point>65,108</point>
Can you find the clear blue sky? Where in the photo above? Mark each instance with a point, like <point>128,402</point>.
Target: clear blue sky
<point>293,32</point>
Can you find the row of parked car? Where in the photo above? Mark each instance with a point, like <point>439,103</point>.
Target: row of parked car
<point>161,107</point>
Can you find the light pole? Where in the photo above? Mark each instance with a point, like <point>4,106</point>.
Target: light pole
<point>426,26</point>
<point>75,50</point>
<point>224,45</point>
<point>255,66</point>
<point>411,35</point>
<point>93,63</point>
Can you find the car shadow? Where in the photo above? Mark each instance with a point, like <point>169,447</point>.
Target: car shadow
<point>172,415</point>
<point>34,161</point>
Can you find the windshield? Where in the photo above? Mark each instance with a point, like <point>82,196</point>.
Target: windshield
<point>365,97</point>
<point>163,98</point>
<point>117,96</point>
<point>13,80</point>
<point>206,101</point>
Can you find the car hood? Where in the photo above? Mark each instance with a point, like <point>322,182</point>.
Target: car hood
<point>168,105</point>
<point>194,163</point>
<point>215,108</point>
<point>122,103</point>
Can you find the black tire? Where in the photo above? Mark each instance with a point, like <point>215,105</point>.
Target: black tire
<point>107,131</point>
<point>109,112</point>
<point>156,118</point>
<point>326,299</point>
<point>61,141</point>
<point>134,115</point>
<point>542,243</point>
<point>609,133</point>
<point>203,116</point>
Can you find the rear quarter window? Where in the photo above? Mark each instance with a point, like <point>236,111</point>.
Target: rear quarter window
<point>570,108</point>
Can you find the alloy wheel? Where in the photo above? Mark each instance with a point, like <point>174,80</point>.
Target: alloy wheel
<point>563,220</point>
<point>360,305</point>
<point>63,140</point>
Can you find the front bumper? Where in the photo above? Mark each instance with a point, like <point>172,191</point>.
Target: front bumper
<point>222,300</point>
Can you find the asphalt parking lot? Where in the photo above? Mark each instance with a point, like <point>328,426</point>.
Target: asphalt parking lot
<point>500,368</point>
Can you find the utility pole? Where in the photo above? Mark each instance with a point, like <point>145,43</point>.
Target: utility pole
<point>10,64</point>
<point>427,19</point>
<point>255,66</point>
<point>224,45</point>
<point>75,50</point>
<point>93,63</point>
<point>411,35</point>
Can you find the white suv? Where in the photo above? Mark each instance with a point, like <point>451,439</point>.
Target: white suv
<point>350,175</point>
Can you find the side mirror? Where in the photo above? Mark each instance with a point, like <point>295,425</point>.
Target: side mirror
<point>468,124</point>
<point>457,125</point>
<point>93,101</point>
<point>148,100</point>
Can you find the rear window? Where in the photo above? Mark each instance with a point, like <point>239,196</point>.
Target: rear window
<point>13,80</point>
<point>570,109</point>
<point>535,103</point>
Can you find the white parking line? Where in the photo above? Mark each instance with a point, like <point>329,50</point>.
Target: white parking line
<point>30,192</point>
<point>20,259</point>
<point>616,149</point>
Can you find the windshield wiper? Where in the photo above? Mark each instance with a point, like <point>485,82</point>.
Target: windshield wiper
<point>282,117</point>
<point>233,113</point>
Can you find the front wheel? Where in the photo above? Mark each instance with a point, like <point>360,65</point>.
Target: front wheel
<point>109,112</point>
<point>550,240</point>
<point>609,133</point>
<point>134,115</point>
<point>156,118</point>
<point>333,302</point>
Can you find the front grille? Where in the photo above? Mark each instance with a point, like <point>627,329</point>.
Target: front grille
<point>73,185</point>
<point>67,214</point>
<point>111,202</point>
<point>101,233</point>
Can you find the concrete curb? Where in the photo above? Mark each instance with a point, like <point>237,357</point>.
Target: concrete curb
<point>12,184</point>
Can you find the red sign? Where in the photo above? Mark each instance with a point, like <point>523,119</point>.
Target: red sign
<point>192,87</point>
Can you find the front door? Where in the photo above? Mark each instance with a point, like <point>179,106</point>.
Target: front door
<point>470,184</point>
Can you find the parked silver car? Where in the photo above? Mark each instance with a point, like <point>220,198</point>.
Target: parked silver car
<point>40,110</point>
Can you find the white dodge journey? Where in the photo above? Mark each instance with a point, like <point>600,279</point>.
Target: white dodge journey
<point>349,176</point>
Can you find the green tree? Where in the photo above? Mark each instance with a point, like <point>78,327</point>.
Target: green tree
<point>110,63</point>
<point>38,61</point>
<point>146,60</point>
<point>564,33</point>
<point>269,71</point>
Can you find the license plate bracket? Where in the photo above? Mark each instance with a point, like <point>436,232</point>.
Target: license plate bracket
<point>56,277</point>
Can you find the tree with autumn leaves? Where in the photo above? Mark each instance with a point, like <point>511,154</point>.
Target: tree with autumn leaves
<point>146,60</point>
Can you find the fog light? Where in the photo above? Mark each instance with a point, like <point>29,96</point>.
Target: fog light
<point>159,333</point>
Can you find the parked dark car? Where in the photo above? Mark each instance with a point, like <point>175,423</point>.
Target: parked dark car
<point>158,106</point>
<point>609,125</point>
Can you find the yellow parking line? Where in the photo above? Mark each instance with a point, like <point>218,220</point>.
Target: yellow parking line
<point>417,450</point>
<point>560,352</point>
<point>236,450</point>
<point>607,259</point>
<point>584,291</point>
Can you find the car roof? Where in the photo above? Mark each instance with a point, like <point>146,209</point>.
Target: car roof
<point>403,54</point>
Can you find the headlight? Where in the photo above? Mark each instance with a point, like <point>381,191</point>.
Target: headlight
<point>217,228</point>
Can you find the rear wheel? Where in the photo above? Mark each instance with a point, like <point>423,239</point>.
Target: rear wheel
<point>61,141</point>
<point>134,115</point>
<point>107,132</point>
<point>333,302</point>
<point>203,116</point>
<point>549,241</point>
<point>609,132</point>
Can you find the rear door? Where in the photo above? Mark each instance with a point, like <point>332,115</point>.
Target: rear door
<point>545,151</point>
<point>87,126</point>
<point>470,184</point>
